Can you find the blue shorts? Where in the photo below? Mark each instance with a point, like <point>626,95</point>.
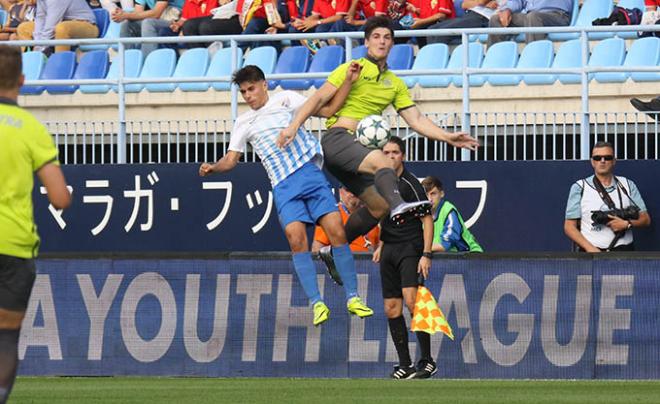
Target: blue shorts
<point>304,196</point>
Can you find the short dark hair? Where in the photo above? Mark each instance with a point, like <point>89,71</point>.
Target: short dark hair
<point>249,73</point>
<point>379,21</point>
<point>399,142</point>
<point>12,67</point>
<point>431,182</point>
<point>601,143</point>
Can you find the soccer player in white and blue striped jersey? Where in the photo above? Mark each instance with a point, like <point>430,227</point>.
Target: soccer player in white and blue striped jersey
<point>302,194</point>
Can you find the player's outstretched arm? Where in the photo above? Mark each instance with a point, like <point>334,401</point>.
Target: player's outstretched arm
<point>424,126</point>
<point>226,163</point>
<point>309,108</point>
<point>53,179</point>
<point>331,108</point>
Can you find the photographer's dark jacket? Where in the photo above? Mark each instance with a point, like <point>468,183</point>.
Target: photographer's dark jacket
<point>583,199</point>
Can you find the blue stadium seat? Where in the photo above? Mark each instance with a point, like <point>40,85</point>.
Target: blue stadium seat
<point>642,52</point>
<point>159,63</point>
<point>102,20</point>
<point>359,52</point>
<point>264,57</point>
<point>537,54</point>
<point>132,68</point>
<point>608,52</point>
<point>93,65</point>
<point>569,55</point>
<point>112,32</point>
<point>60,66</point>
<point>192,63</point>
<point>401,57</point>
<point>433,56</point>
<point>652,48</point>
<point>500,55</point>
<point>591,9</point>
<point>33,65</point>
<point>476,56</point>
<point>325,61</point>
<point>3,17</point>
<point>294,59</point>
<point>220,66</point>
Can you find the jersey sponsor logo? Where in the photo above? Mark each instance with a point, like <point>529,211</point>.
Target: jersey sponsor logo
<point>8,120</point>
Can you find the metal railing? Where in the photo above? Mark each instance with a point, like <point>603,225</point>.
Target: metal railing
<point>120,141</point>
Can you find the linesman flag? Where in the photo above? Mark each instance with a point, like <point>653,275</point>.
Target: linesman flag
<point>427,316</point>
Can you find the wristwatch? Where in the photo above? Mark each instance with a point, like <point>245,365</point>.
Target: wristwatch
<point>629,225</point>
<point>428,255</point>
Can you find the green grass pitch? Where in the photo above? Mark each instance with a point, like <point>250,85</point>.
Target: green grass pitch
<point>100,390</point>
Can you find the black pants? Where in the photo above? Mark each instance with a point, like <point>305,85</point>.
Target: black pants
<point>209,26</point>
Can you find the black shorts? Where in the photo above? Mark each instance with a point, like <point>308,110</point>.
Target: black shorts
<point>343,155</point>
<point>16,280</point>
<point>398,267</point>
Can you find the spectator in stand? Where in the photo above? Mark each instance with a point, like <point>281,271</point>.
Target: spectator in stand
<point>530,13</point>
<point>59,19</point>
<point>652,5</point>
<point>428,12</point>
<point>191,9</point>
<point>358,13</point>
<point>348,203</point>
<point>148,17</point>
<point>477,15</point>
<point>324,14</point>
<point>215,25</point>
<point>273,16</point>
<point>18,12</point>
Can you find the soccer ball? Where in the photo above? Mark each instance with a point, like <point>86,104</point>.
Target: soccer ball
<point>373,131</point>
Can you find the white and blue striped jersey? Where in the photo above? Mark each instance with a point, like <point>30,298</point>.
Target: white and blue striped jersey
<point>262,127</point>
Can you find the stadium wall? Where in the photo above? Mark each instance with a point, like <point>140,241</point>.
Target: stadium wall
<point>510,206</point>
<point>562,316</point>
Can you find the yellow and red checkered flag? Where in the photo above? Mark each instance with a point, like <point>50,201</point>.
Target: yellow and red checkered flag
<point>427,316</point>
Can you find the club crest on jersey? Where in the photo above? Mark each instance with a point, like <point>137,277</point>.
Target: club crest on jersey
<point>387,83</point>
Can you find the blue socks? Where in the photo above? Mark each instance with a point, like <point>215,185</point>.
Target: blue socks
<point>346,268</point>
<point>306,271</point>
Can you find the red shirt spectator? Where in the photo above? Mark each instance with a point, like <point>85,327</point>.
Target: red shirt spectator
<point>198,8</point>
<point>370,8</point>
<point>329,8</point>
<point>429,8</point>
<point>652,4</point>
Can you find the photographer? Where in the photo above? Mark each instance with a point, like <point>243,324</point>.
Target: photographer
<point>602,209</point>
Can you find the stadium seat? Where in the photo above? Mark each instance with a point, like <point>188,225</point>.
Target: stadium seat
<point>433,56</point>
<point>3,17</point>
<point>60,66</point>
<point>476,56</point>
<point>569,55</point>
<point>33,65</point>
<point>112,32</point>
<point>591,9</point>
<point>294,59</point>
<point>264,57</point>
<point>642,52</point>
<point>192,63</point>
<point>608,52</point>
<point>401,57</point>
<point>359,52</point>
<point>536,55</point>
<point>325,61</point>
<point>93,65</point>
<point>652,50</point>
<point>159,63</point>
<point>220,66</point>
<point>500,55</point>
<point>132,68</point>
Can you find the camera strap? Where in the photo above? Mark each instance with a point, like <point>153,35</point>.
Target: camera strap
<point>605,196</point>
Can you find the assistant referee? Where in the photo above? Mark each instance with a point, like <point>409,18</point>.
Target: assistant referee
<point>26,148</point>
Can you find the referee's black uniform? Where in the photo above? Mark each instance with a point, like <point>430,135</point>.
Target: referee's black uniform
<point>403,244</point>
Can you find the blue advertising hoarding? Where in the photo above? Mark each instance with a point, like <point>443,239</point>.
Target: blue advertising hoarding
<point>510,206</point>
<point>246,315</point>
